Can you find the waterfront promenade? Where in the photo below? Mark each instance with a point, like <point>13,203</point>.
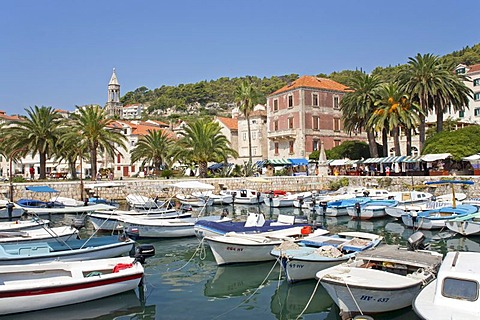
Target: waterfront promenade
<point>159,187</point>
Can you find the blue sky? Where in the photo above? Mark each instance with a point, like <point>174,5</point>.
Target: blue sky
<point>61,53</point>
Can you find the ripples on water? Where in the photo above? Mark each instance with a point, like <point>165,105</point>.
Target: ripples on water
<point>183,282</point>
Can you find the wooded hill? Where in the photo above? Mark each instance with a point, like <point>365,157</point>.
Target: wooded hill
<point>217,96</point>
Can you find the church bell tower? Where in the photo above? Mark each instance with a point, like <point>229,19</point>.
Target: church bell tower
<point>114,107</point>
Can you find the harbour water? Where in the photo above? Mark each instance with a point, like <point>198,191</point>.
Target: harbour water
<point>183,281</point>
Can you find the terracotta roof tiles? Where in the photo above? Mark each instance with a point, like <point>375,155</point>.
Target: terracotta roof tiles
<point>312,82</point>
<point>230,123</point>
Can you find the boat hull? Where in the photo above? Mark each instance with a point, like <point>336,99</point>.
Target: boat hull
<point>47,291</point>
<point>228,252</point>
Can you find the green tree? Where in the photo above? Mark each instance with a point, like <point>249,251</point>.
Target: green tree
<point>36,134</point>
<point>394,111</point>
<point>92,124</point>
<point>357,106</point>
<point>201,142</point>
<point>460,143</point>
<point>246,97</point>
<point>153,148</point>
<point>349,149</point>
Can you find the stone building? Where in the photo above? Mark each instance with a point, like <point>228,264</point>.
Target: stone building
<point>114,108</point>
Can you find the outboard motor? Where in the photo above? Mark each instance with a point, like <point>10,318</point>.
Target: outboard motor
<point>132,232</point>
<point>144,251</point>
<point>366,193</point>
<point>357,208</point>
<point>415,241</point>
<point>323,204</point>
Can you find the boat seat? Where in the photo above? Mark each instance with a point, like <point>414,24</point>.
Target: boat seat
<point>285,219</point>
<point>255,220</point>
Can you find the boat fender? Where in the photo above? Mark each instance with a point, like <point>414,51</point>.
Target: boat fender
<point>306,230</point>
<point>121,266</point>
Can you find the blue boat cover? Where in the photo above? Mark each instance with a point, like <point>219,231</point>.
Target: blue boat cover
<point>40,189</point>
<point>450,181</point>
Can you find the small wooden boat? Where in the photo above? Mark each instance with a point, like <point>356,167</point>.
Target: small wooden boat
<point>70,250</point>
<point>59,283</point>
<point>340,207</point>
<point>33,223</point>
<point>9,210</point>
<point>304,259</point>
<point>137,201</point>
<point>255,223</point>
<point>383,279</point>
<point>467,225</point>
<point>235,247</point>
<point>454,294</point>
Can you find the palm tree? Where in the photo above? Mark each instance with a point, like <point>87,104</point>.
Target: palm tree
<point>246,97</point>
<point>153,148</point>
<point>201,142</point>
<point>92,124</point>
<point>37,133</point>
<point>357,106</point>
<point>394,111</point>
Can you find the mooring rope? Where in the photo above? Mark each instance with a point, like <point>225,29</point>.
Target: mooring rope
<point>200,248</point>
<point>350,291</point>
<point>253,293</point>
<point>309,300</point>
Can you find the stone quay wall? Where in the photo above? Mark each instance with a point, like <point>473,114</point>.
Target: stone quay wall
<point>159,187</point>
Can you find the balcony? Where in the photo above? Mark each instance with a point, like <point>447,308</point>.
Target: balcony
<point>282,134</point>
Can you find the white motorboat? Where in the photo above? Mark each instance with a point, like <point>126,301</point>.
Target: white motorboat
<point>217,199</point>
<point>193,200</point>
<point>304,259</point>
<point>45,234</point>
<point>67,202</point>
<point>468,225</point>
<point>111,220</point>
<point>374,208</point>
<point>235,247</point>
<point>163,228</point>
<point>383,279</point>
<point>29,224</point>
<point>401,209</point>
<point>287,199</point>
<point>10,210</point>
<point>244,196</point>
<point>455,292</point>
<point>317,198</point>
<point>137,201</point>
<point>437,218</point>
<point>411,197</point>
<point>58,283</point>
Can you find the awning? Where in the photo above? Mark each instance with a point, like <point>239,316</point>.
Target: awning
<point>260,163</point>
<point>373,160</point>
<point>338,162</point>
<point>299,161</point>
<point>392,159</point>
<point>411,159</point>
<point>473,157</point>
<point>435,156</point>
<point>40,189</point>
<point>279,162</point>
<point>351,162</point>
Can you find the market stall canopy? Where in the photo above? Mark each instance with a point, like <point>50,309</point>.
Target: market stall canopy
<point>392,159</point>
<point>298,161</point>
<point>373,160</point>
<point>411,159</point>
<point>261,163</point>
<point>279,162</point>
<point>473,157</point>
<point>339,162</point>
<point>435,156</point>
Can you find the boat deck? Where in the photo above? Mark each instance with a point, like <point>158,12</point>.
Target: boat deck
<point>396,254</point>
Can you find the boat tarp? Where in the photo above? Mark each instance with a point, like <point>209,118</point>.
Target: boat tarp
<point>40,189</point>
<point>450,182</point>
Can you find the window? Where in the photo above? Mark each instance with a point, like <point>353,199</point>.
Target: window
<point>336,102</point>
<point>254,135</point>
<point>315,99</point>
<point>414,151</point>
<point>254,121</point>
<point>119,157</point>
<point>315,145</point>
<point>476,112</point>
<point>476,96</point>
<point>290,147</point>
<point>132,143</point>
<point>476,82</point>
<point>244,135</point>
<point>316,123</point>
<point>290,123</point>
<point>336,124</point>
<point>276,148</point>
<point>460,289</point>
<point>460,70</point>
<point>275,125</point>
<point>461,114</point>
<point>336,142</point>
<point>290,101</point>
<point>275,105</point>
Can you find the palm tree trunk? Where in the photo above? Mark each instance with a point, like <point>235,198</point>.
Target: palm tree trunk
<point>421,128</point>
<point>93,163</point>
<point>372,144</point>
<point>408,132</point>
<point>396,140</point>
<point>439,111</point>
<point>249,140</point>
<point>202,169</point>
<point>385,142</point>
<point>43,165</point>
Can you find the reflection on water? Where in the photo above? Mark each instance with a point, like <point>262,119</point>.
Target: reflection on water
<point>183,281</point>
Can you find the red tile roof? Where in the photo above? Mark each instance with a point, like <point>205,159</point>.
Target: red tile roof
<point>312,82</point>
<point>230,123</point>
<point>474,68</point>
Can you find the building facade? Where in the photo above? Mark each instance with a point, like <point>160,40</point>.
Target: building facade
<point>302,115</point>
<point>114,108</point>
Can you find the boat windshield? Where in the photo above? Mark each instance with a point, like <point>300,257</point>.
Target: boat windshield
<point>461,289</point>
